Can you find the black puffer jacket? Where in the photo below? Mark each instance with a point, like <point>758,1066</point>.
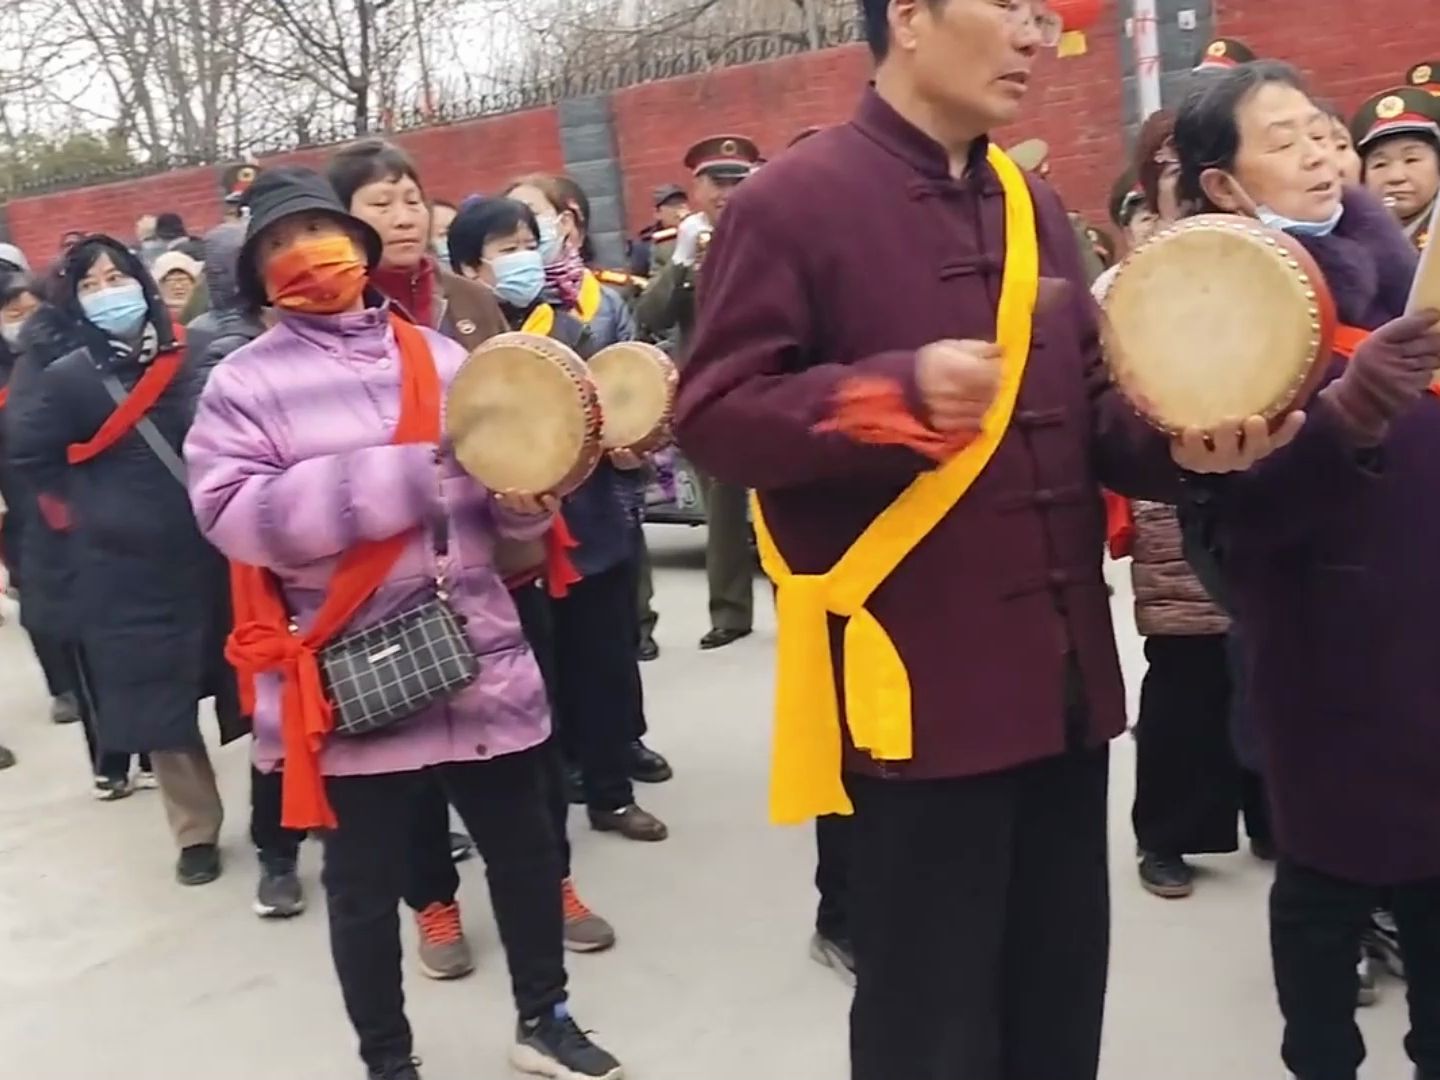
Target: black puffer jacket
<point>150,595</point>
<point>227,325</point>
<point>43,553</point>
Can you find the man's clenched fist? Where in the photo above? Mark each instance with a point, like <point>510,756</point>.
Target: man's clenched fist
<point>958,381</point>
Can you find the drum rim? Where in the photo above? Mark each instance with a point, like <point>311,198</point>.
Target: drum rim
<point>1323,313</point>
<point>570,363</point>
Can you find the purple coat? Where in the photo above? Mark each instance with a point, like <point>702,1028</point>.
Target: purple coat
<point>843,257</point>
<point>1330,558</point>
<point>291,464</point>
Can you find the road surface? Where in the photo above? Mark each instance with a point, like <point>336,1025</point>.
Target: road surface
<point>110,969</point>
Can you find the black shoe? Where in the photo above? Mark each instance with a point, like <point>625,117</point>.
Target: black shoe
<point>631,822</point>
<point>461,847</point>
<point>1263,849</point>
<point>1169,876</point>
<point>406,1069</point>
<point>649,649</point>
<point>65,709</point>
<point>279,894</point>
<point>718,639</point>
<point>554,1046</point>
<point>836,954</point>
<point>574,784</point>
<point>7,757</point>
<point>647,766</point>
<point>199,864</point>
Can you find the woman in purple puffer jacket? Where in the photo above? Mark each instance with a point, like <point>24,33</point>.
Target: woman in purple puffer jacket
<point>291,464</point>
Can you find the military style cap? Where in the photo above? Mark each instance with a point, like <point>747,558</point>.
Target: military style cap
<point>1029,155</point>
<point>235,180</point>
<point>1425,75</point>
<point>1401,110</point>
<point>666,192</point>
<point>1222,54</point>
<point>723,156</point>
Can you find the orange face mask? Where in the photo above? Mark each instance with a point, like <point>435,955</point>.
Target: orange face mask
<point>321,276</point>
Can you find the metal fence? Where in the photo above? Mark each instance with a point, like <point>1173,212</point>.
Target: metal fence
<point>659,62</point>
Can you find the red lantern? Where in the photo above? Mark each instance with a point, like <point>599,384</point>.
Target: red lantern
<point>1078,14</point>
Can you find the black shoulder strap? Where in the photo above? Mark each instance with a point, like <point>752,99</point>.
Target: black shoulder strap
<point>147,430</point>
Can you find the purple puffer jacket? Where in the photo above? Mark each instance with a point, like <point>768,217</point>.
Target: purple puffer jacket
<point>291,463</point>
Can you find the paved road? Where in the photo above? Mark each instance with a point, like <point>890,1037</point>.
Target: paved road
<point>108,968</point>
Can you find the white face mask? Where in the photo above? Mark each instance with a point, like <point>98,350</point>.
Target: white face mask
<point>10,333</point>
<point>1273,220</point>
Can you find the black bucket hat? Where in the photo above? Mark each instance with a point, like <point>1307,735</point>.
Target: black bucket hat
<point>285,192</point>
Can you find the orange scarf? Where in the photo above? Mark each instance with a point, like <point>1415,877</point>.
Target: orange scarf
<point>157,378</point>
<point>263,641</point>
<point>4,396</point>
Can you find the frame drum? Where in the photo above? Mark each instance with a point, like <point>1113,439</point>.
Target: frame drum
<point>1217,319</point>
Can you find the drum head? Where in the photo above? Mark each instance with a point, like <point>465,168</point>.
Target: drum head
<point>636,383</point>
<point>1216,319</point>
<point>522,415</point>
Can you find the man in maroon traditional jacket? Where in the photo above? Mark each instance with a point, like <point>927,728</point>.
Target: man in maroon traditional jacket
<point>875,249</point>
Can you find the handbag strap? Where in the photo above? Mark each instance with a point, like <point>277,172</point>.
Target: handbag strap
<point>147,430</point>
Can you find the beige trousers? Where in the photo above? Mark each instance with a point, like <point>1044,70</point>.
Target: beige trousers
<point>192,801</point>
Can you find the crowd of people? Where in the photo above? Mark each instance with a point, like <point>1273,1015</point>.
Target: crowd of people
<point>224,473</point>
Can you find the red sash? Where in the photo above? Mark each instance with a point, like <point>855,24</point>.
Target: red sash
<point>128,413</point>
<point>262,639</point>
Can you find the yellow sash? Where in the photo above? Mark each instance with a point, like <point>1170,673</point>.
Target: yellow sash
<point>805,776</point>
<point>587,304</point>
<point>541,320</point>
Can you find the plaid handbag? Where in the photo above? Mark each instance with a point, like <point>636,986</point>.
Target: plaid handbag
<point>388,672</point>
<point>385,673</point>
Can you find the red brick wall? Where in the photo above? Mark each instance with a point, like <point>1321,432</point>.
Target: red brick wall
<point>1075,106</point>
<point>1349,50</point>
<point>455,160</point>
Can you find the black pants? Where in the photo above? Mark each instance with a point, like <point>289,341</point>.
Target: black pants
<point>598,697</point>
<point>1189,786</point>
<point>981,924</point>
<point>533,606</point>
<point>271,839</point>
<point>502,804</point>
<point>833,838</point>
<point>1315,925</point>
<point>431,876</point>
<point>76,674</point>
<point>56,663</point>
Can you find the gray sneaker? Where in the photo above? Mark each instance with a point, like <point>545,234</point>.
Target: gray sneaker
<point>279,894</point>
<point>65,709</point>
<point>444,952</point>
<point>584,930</point>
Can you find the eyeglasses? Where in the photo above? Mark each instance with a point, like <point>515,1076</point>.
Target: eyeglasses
<point>1035,13</point>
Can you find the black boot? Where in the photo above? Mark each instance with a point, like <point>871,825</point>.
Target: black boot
<point>647,766</point>
<point>404,1069</point>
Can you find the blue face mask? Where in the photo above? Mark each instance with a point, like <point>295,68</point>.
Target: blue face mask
<point>1270,219</point>
<point>549,238</point>
<point>519,277</point>
<point>119,310</point>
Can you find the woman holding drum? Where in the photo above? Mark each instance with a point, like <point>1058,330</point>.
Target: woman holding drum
<point>1327,548</point>
<point>317,463</point>
<point>597,690</point>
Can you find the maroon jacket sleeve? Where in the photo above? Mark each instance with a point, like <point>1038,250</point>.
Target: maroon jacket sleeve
<point>753,389</point>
